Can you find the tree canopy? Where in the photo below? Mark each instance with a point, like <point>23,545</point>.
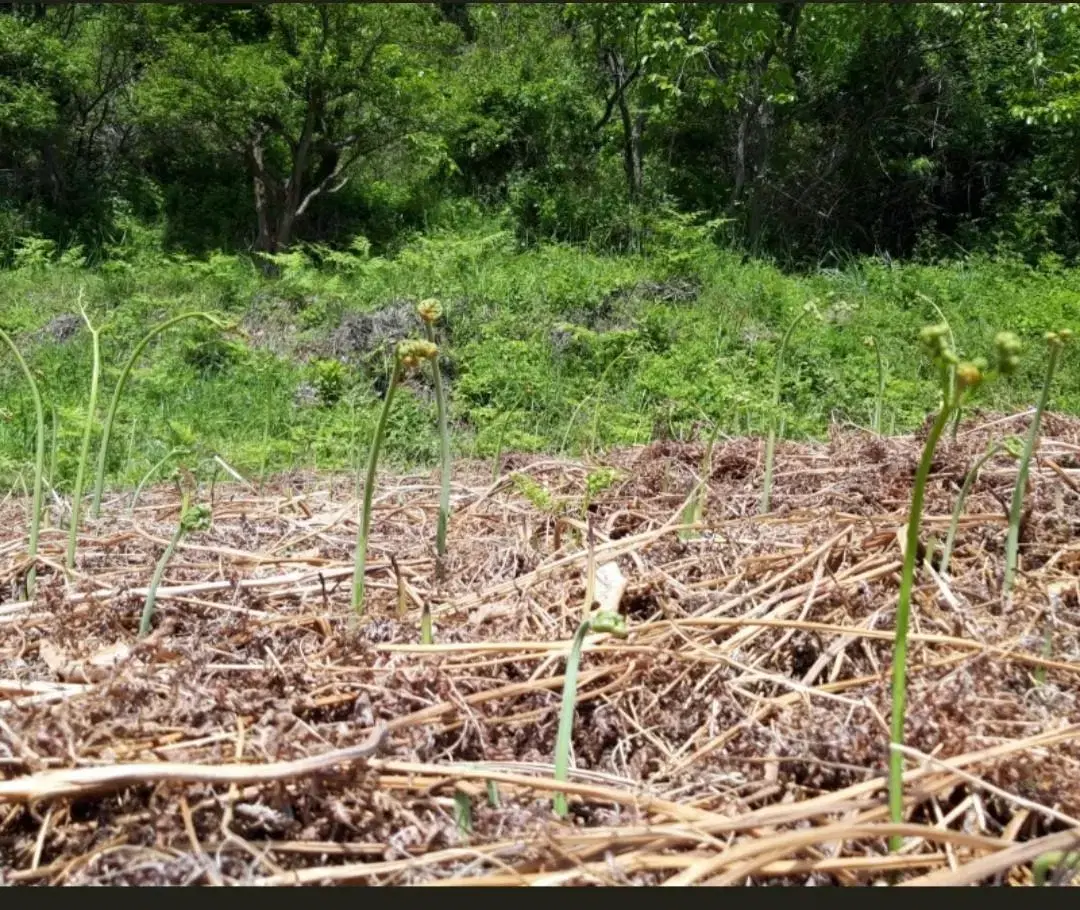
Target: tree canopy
<point>806,131</point>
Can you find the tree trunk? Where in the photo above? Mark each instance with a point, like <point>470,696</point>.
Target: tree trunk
<point>268,198</point>
<point>632,162</point>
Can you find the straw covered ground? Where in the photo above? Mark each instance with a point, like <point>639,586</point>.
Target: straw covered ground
<point>737,736</point>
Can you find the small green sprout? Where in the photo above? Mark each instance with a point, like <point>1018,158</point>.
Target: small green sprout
<point>1009,347</point>
<point>957,378</point>
<point>410,354</point>
<point>603,621</point>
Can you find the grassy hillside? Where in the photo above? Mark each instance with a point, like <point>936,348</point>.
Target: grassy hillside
<point>550,349</point>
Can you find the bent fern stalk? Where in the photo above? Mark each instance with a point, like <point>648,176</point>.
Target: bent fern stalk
<point>125,373</point>
<point>84,452</point>
<point>770,444</point>
<point>409,355</point>
<point>956,379</point>
<point>602,621</point>
<point>39,464</point>
<point>1055,342</point>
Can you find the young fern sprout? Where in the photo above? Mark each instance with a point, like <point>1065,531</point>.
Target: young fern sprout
<point>957,380</point>
<point>39,463</point>
<point>430,312</point>
<point>770,445</point>
<point>879,398</point>
<point>409,355</point>
<point>84,452</point>
<point>1055,343</point>
<point>603,621</point>
<point>125,373</point>
<point>192,518</point>
<point>958,510</point>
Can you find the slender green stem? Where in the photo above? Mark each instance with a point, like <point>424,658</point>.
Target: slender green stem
<point>369,490</point>
<point>110,416</point>
<point>1012,542</point>
<point>770,444</point>
<point>444,443</point>
<point>496,462</point>
<point>159,572</point>
<point>84,451</point>
<point>879,400</point>
<point>265,445</point>
<point>54,445</point>
<point>696,506</point>
<point>146,477</point>
<point>566,715</point>
<point>954,524</point>
<point>903,616</point>
<point>39,464</point>
<point>594,394</point>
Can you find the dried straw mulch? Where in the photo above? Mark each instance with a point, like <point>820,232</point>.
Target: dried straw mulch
<point>739,735</point>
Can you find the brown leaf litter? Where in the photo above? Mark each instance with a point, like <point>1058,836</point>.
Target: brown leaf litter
<point>738,736</point>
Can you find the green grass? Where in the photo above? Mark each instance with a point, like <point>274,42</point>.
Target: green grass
<point>530,334</point>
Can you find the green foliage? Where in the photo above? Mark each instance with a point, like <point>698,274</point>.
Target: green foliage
<point>543,348</point>
<point>329,377</point>
<point>811,132</point>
